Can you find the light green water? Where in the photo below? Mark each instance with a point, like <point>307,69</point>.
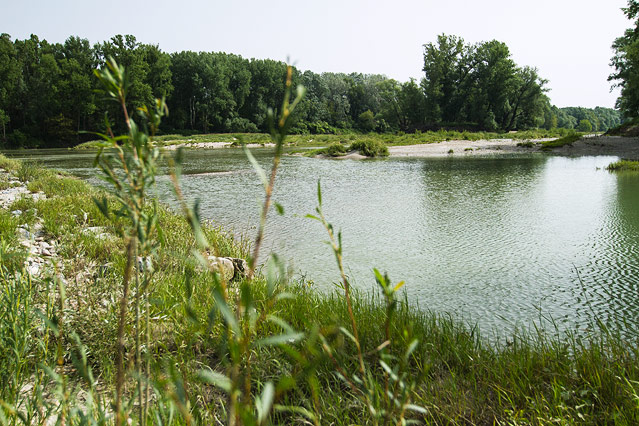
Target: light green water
<point>502,242</point>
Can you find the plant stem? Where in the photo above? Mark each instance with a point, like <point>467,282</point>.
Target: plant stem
<point>131,247</point>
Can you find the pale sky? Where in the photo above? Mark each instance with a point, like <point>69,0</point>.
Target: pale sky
<point>567,40</point>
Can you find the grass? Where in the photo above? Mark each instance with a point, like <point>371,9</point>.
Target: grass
<point>564,141</point>
<point>530,379</point>
<point>623,165</point>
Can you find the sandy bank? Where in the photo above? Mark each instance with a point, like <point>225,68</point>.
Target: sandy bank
<point>463,147</point>
<point>210,145</point>
<point>592,145</point>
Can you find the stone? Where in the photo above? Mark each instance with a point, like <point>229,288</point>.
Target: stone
<point>33,269</point>
<point>224,266</point>
<point>24,234</point>
<point>145,263</point>
<point>16,212</point>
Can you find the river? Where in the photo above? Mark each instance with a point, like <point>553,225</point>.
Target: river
<point>502,242</point>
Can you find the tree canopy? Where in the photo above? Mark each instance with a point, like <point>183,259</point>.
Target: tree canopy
<point>48,93</point>
<point>626,64</point>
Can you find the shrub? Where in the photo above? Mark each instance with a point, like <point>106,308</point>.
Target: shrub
<point>335,149</point>
<point>370,148</point>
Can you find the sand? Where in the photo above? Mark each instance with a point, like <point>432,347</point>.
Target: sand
<point>590,145</point>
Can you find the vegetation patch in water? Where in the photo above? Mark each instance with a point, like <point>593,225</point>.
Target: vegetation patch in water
<point>623,166</point>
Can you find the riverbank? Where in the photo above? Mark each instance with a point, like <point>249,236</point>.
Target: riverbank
<point>460,378</point>
<point>433,144</point>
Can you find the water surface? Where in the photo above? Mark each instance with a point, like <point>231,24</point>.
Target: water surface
<point>501,241</point>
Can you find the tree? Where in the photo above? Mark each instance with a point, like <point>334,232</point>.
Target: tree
<point>585,126</point>
<point>4,120</point>
<point>626,64</point>
<point>446,67</point>
<point>10,79</point>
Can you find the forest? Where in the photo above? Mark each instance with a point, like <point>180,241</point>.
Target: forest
<point>49,96</point>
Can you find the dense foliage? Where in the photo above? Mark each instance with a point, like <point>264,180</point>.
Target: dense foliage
<point>626,64</point>
<point>48,93</point>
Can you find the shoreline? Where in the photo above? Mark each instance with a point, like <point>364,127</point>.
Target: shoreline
<point>623,147</point>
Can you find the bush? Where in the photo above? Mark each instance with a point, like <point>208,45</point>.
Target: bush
<point>335,149</point>
<point>241,125</point>
<point>370,148</point>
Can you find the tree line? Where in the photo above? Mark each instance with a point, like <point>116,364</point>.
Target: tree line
<point>48,92</point>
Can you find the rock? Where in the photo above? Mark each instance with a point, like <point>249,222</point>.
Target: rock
<point>33,269</point>
<point>145,263</point>
<point>45,245</point>
<point>98,232</point>
<point>240,266</point>
<point>45,252</point>
<point>39,196</point>
<point>16,212</point>
<point>224,266</point>
<point>24,234</point>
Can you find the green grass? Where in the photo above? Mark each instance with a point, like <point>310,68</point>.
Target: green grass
<point>623,165</point>
<point>530,379</point>
<point>564,141</point>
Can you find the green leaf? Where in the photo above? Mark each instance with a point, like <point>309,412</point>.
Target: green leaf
<point>103,206</point>
<point>279,208</point>
<point>297,410</point>
<point>319,193</point>
<point>280,339</point>
<point>265,402</point>
<point>387,368</point>
<point>411,347</point>
<point>310,216</point>
<point>216,379</point>
<point>283,324</point>
<point>226,312</point>
<point>285,296</point>
<point>416,408</point>
<point>380,279</point>
<point>348,334</point>
<point>258,169</point>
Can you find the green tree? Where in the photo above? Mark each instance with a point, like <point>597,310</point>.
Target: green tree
<point>585,126</point>
<point>626,64</point>
<point>447,64</point>
<point>10,80</point>
<point>76,63</point>
<point>366,121</point>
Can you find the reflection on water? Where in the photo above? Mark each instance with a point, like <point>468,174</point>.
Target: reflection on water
<point>502,241</point>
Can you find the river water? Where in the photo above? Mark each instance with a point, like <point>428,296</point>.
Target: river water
<point>502,242</point>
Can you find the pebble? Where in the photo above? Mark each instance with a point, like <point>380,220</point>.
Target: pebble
<point>24,234</point>
<point>16,212</point>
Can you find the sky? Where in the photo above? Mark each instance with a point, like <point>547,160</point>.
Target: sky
<point>567,40</point>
